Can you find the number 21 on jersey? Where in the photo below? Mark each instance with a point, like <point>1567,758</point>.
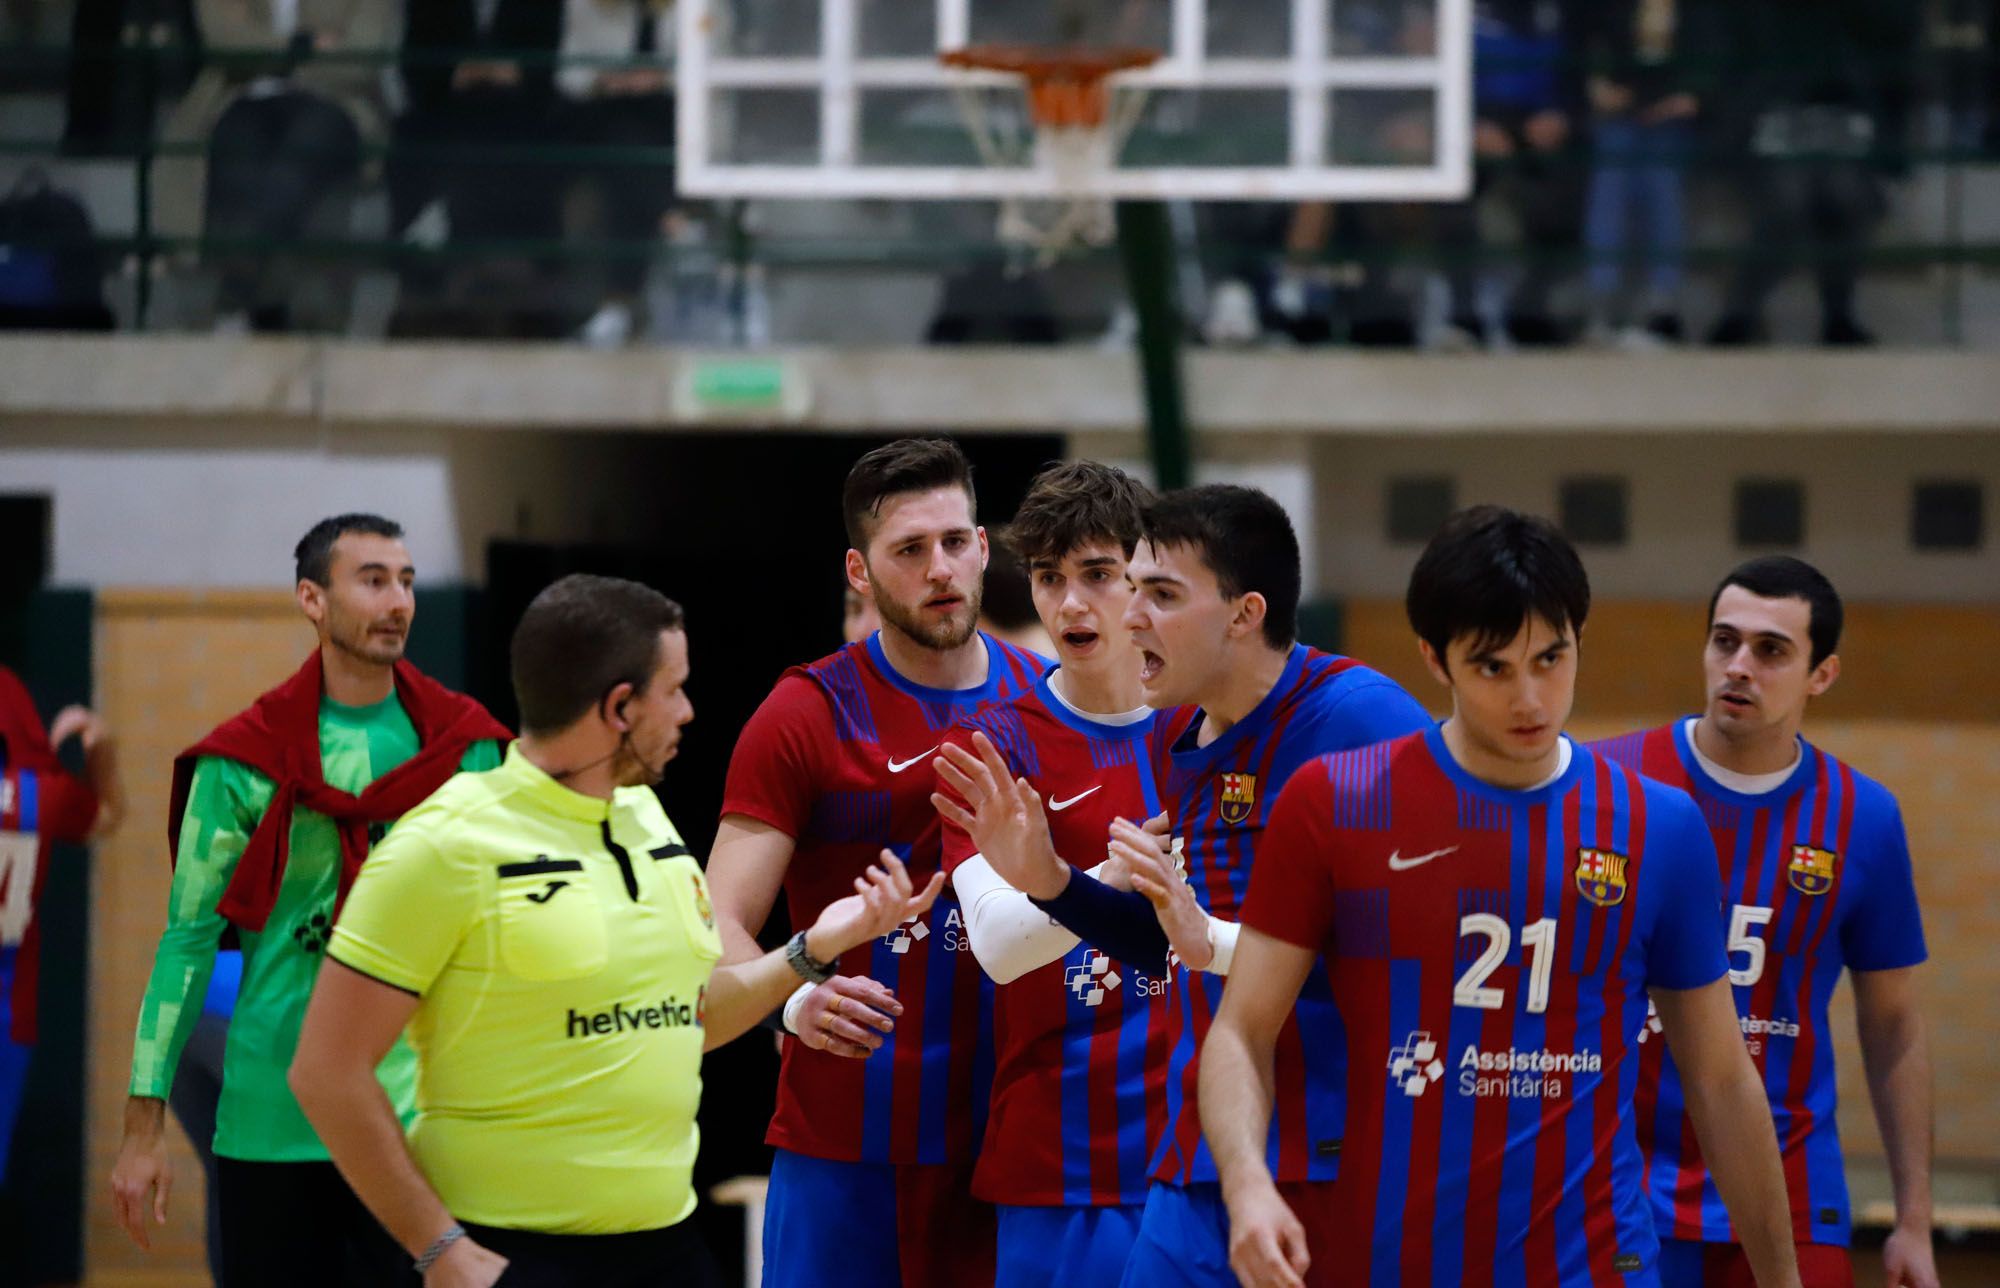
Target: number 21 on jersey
<point>1538,946</point>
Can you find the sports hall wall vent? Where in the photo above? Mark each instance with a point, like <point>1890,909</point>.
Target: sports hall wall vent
<point>1770,512</point>
<point>1593,510</point>
<point>1947,514</point>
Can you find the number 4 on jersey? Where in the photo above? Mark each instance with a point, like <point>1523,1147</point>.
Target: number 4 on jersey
<point>18,851</point>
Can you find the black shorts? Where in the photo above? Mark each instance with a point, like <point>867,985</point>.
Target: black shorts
<point>297,1225</point>
<point>673,1256</point>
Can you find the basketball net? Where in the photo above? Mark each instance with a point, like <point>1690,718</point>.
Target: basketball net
<point>1077,126</point>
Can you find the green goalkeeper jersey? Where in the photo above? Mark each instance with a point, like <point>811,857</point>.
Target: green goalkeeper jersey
<point>257,1119</point>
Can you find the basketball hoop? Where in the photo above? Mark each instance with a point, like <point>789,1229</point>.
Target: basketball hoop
<point>1078,124</point>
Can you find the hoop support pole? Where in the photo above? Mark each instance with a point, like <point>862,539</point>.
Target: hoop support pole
<point>1145,245</point>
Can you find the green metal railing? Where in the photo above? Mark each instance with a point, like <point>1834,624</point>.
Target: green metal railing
<point>1940,81</point>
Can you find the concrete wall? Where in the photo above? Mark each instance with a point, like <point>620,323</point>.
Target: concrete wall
<point>1681,499</point>
<point>192,504</point>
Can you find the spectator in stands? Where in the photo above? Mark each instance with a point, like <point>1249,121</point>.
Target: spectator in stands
<point>1820,91</point>
<point>1648,67</point>
<point>616,83</point>
<point>110,102</point>
<point>51,274</point>
<point>286,128</point>
<point>474,88</point>
<point>1526,96</point>
<point>1354,274</point>
<point>1526,99</point>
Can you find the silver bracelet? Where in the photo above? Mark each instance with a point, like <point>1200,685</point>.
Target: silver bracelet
<point>438,1246</point>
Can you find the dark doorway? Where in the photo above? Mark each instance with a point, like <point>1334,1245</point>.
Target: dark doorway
<point>745,532</point>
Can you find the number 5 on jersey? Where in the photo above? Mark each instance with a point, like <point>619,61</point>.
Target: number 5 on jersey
<point>1746,936</point>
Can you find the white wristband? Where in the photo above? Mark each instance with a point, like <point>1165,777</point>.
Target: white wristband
<point>1222,944</point>
<point>792,1005</point>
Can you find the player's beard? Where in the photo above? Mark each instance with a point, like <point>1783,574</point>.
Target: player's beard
<point>357,639</point>
<point>941,636</point>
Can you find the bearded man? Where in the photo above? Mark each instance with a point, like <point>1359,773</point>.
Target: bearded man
<point>271,817</point>
<point>834,766</point>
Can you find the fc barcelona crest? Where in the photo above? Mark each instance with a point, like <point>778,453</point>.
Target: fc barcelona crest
<point>701,903</point>
<point>1600,877</point>
<point>1811,870</point>
<point>1238,798</point>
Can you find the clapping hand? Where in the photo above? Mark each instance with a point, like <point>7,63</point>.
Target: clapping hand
<point>1150,867</point>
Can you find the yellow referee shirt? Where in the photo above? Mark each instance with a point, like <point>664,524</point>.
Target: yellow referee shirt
<point>561,947</point>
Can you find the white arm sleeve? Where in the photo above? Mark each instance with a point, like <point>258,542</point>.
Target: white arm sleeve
<point>1222,938</point>
<point>1010,936</point>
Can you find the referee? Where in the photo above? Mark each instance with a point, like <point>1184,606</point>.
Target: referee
<point>548,941</point>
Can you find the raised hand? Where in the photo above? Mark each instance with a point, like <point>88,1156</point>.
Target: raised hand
<point>1142,852</point>
<point>882,900</point>
<point>76,721</point>
<point>1115,872</point>
<point>1003,816</point>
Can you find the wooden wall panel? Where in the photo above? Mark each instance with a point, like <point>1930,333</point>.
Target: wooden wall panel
<point>171,666</point>
<point>1643,658</point>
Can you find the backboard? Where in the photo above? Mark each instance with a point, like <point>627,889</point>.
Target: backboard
<point>1250,100</point>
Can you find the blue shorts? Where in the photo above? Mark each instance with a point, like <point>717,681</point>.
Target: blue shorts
<point>1183,1240</point>
<point>1681,1263</point>
<point>1688,1263</point>
<point>13,1062</point>
<point>1055,1247</point>
<point>830,1224</point>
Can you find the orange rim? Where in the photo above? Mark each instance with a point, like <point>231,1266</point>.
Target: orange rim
<point>1065,83</point>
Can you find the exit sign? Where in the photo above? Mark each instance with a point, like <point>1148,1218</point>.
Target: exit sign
<point>756,388</point>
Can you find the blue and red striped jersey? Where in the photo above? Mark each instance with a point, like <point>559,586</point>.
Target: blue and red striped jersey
<point>838,757</point>
<point>1815,877</point>
<point>1490,951</point>
<point>1079,1086</point>
<point>1218,797</point>
<point>40,804</point>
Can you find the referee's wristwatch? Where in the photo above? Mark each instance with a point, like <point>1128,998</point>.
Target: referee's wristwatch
<point>809,968</point>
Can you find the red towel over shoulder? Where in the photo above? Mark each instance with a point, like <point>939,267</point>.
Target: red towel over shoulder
<point>278,736</point>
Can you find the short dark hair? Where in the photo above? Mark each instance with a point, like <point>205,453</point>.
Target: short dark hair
<point>894,469</point>
<point>1487,571</point>
<point>312,558</point>
<point>1783,577</point>
<point>1242,536</point>
<point>582,637</point>
<point>1072,504</point>
<point>1007,596</point>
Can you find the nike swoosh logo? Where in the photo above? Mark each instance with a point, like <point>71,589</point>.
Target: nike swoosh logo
<point>898,766</point>
<point>1397,863</point>
<point>1059,806</point>
<point>543,896</point>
